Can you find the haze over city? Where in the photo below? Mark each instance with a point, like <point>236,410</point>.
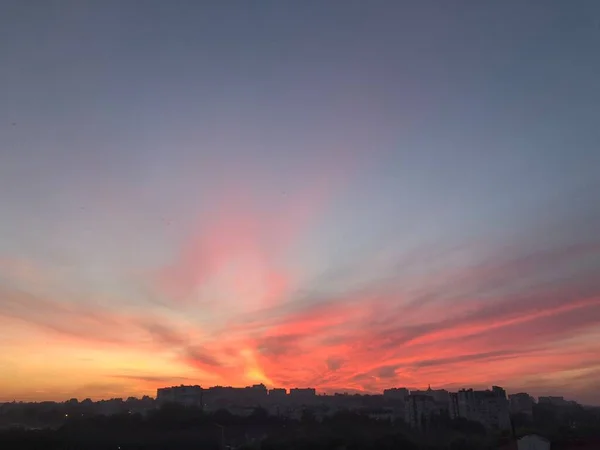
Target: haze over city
<point>343,195</point>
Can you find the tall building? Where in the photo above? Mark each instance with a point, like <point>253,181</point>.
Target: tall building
<point>187,395</point>
<point>554,401</point>
<point>395,394</point>
<point>441,397</point>
<point>453,405</point>
<point>215,397</point>
<point>218,397</point>
<point>277,395</point>
<point>303,395</point>
<point>489,408</point>
<point>521,403</point>
<point>418,410</point>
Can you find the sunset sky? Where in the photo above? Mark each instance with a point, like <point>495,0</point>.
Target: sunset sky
<point>346,195</point>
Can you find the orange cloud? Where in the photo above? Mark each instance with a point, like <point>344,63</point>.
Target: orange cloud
<point>505,321</point>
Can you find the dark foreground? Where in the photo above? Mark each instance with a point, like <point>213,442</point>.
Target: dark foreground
<point>181,428</point>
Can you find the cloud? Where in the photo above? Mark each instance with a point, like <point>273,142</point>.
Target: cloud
<point>387,371</point>
<point>78,320</point>
<point>153,379</point>
<point>165,335</point>
<point>381,345</point>
<point>273,346</point>
<point>334,363</point>
<point>478,313</point>
<point>486,356</point>
<point>236,253</point>
<point>200,357</point>
<point>101,391</point>
<point>190,352</point>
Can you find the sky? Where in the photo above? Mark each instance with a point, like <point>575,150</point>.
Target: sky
<point>344,195</point>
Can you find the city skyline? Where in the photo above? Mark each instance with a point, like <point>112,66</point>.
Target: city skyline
<point>344,195</point>
<point>391,392</point>
<point>276,390</point>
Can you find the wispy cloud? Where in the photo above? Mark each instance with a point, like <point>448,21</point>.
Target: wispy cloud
<point>79,320</point>
<point>153,379</point>
<point>502,315</point>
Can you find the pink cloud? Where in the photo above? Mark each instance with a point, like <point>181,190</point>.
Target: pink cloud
<point>461,328</point>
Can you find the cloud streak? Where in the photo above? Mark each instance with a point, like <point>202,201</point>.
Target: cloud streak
<point>504,316</point>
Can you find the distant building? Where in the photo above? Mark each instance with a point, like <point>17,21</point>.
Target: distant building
<point>278,395</point>
<point>453,405</point>
<point>554,401</point>
<point>303,395</point>
<point>521,403</point>
<point>395,394</point>
<point>441,398</point>
<point>489,408</point>
<point>418,410</point>
<point>218,397</point>
<point>256,394</point>
<point>186,395</point>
